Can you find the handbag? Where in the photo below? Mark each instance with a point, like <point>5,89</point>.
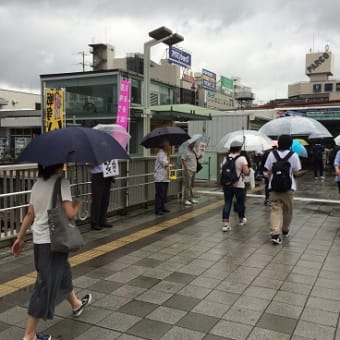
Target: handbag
<point>65,236</point>
<point>199,166</point>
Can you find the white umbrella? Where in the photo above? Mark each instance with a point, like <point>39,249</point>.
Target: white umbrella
<point>116,131</point>
<point>295,126</point>
<point>252,141</point>
<point>337,140</point>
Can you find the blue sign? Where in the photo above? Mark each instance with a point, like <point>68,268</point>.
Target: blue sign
<point>208,79</point>
<point>179,57</point>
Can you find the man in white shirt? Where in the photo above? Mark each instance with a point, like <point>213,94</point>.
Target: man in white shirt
<point>282,202</point>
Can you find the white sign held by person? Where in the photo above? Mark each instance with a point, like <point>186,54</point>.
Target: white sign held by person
<point>111,168</point>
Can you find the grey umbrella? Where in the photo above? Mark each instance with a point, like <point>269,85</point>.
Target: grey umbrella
<point>295,126</point>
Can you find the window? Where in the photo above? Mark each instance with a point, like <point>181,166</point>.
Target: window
<point>329,87</point>
<point>316,87</point>
<point>337,87</point>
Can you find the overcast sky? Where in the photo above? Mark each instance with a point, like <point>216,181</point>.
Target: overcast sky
<point>263,42</point>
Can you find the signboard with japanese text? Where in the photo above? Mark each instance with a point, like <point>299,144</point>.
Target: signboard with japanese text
<point>123,104</point>
<point>110,168</point>
<point>208,79</point>
<point>54,108</point>
<point>227,86</point>
<point>179,57</point>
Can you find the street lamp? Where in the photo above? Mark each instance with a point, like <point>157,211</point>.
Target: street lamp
<point>159,35</point>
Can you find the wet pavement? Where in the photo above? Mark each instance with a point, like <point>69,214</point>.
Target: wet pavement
<point>180,277</point>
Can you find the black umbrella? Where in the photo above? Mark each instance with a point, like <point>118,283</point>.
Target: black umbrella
<point>72,145</point>
<point>172,134</point>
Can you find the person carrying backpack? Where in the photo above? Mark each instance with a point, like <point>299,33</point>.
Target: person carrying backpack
<point>233,169</point>
<point>282,165</point>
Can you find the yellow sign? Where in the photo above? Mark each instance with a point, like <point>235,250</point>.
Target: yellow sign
<point>172,172</point>
<point>54,104</point>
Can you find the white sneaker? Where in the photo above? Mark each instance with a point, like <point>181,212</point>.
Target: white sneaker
<point>226,227</point>
<point>194,201</point>
<point>243,221</point>
<point>187,202</point>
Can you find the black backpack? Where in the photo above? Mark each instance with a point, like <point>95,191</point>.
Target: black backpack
<point>281,180</point>
<point>228,172</point>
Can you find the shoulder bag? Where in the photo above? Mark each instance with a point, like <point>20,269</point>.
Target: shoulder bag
<point>65,236</point>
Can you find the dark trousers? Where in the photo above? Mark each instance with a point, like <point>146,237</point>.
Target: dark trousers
<point>53,284</point>
<point>266,188</point>
<point>161,196</point>
<point>318,167</point>
<point>100,188</point>
<point>229,193</point>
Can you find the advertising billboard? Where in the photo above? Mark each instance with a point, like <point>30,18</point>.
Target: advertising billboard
<point>208,79</point>
<point>54,108</point>
<point>227,86</point>
<point>320,62</point>
<point>179,57</point>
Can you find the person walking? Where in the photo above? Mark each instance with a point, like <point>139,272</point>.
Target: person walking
<point>282,186</point>
<point>318,160</point>
<point>337,169</point>
<point>54,276</point>
<point>189,164</point>
<point>235,188</point>
<point>161,176</point>
<point>100,188</point>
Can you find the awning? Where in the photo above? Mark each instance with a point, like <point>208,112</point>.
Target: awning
<point>180,112</point>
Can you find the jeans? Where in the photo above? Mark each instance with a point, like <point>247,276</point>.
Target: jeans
<point>229,193</point>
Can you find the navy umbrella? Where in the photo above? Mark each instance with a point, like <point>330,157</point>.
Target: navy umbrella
<point>172,134</point>
<point>72,145</point>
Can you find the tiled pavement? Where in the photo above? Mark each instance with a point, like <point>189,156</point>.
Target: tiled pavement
<point>191,281</point>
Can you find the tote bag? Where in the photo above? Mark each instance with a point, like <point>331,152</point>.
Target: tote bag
<point>65,236</point>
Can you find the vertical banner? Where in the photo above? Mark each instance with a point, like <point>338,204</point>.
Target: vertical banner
<point>111,168</point>
<point>54,104</point>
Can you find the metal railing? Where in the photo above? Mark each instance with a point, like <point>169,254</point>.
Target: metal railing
<point>134,187</point>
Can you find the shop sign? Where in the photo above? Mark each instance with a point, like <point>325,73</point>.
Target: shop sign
<point>208,79</point>
<point>179,57</point>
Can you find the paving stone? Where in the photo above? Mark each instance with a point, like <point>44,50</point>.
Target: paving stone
<point>12,332</point>
<point>4,326</point>
<point>260,292</point>
<point>314,331</point>
<point>222,297</point>
<point>112,302</point>
<point>165,314</point>
<point>182,302</point>
<point>128,291</point>
<point>324,304</point>
<point>119,321</point>
<point>232,287</point>
<point>320,317</point>
<point>98,333</point>
<point>231,330</point>
<point>168,287</point>
<point>214,337</point>
<point>183,334</point>
<point>105,286</point>
<point>138,308</point>
<point>197,322</point>
<point>290,298</point>
<point>68,329</point>
<point>84,281</point>
<point>144,281</point>
<point>277,323</point>
<point>149,329</point>
<point>195,291</point>
<point>14,315</point>
<point>180,277</point>
<point>242,315</point>
<point>205,282</point>
<point>93,314</point>
<point>297,288</point>
<point>211,308</point>
<point>267,283</point>
<point>284,309</point>
<point>148,263</point>
<point>252,303</point>
<point>154,296</point>
<point>266,334</point>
